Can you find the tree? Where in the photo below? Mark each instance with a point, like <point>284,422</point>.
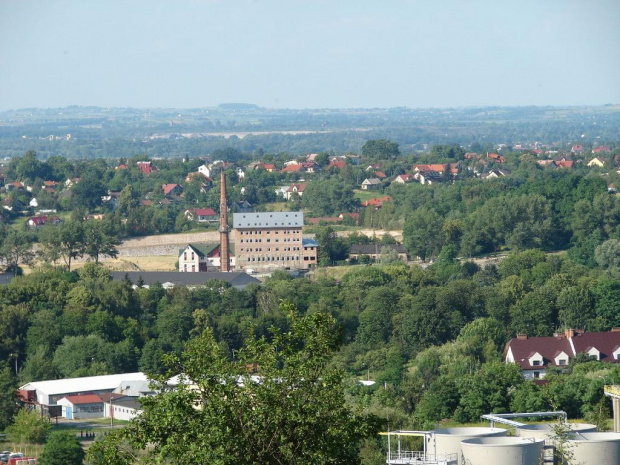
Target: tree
<point>8,397</point>
<point>65,241</point>
<point>331,247</point>
<point>422,233</point>
<point>62,448</point>
<point>380,149</point>
<point>29,426</point>
<point>88,192</point>
<point>17,248</point>
<point>97,242</point>
<point>293,411</point>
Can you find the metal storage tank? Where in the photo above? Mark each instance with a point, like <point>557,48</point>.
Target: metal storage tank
<point>448,440</point>
<point>504,451</point>
<point>546,430</point>
<point>594,449</point>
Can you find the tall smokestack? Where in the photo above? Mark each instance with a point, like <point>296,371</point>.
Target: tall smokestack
<point>224,241</point>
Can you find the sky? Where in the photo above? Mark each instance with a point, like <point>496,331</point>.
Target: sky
<point>308,53</point>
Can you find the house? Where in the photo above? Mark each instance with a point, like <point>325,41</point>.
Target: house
<point>439,168</point>
<point>377,202</point>
<point>496,173</point>
<point>428,177</point>
<point>537,354</point>
<point>146,167</point>
<point>202,257</point>
<point>205,181</point>
<point>206,171</point>
<point>13,186</point>
<point>565,164</point>
<point>601,149</point>
<point>39,221</point>
<point>52,184</point>
<point>171,189</point>
<point>202,215</point>
<point>375,250</point>
<point>242,206</point>
<point>240,173</point>
<point>495,157</point>
<point>298,189</point>
<point>294,168</point>
<point>577,149</point>
<point>81,406</point>
<point>350,217</point>
<point>71,182</point>
<point>33,202</point>
<point>310,253</point>
<point>379,174</point>
<point>371,184</point>
<point>337,164</point>
<point>597,161</point>
<point>111,200</point>
<point>403,179</point>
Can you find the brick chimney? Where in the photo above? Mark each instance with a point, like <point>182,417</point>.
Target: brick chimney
<point>224,240</point>
<point>521,336</point>
<point>569,333</point>
<point>615,330</point>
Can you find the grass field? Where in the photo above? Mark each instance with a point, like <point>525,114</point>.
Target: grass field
<point>366,195</point>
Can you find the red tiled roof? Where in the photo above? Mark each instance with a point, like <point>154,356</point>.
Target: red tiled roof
<point>300,188</point>
<point>292,168</point>
<point>437,168</point>
<point>337,164</point>
<point>604,342</point>
<point>167,188</point>
<point>523,349</point>
<point>86,399</point>
<point>601,148</point>
<point>205,212</point>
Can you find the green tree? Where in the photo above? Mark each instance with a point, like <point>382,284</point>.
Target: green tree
<point>422,233</point>
<point>62,448</point>
<point>293,412</point>
<point>380,149</point>
<point>29,426</point>
<point>8,397</point>
<point>64,241</point>
<point>97,243</point>
<point>17,247</point>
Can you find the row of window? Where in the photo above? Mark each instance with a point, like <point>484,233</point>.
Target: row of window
<point>89,409</point>
<point>273,259</point>
<point>277,249</point>
<point>286,239</point>
<point>262,231</point>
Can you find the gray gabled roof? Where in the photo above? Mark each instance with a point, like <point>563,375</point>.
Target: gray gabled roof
<point>236,279</point>
<point>268,220</point>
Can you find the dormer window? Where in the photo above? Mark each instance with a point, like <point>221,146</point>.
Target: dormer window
<point>536,359</point>
<point>616,353</point>
<point>593,353</point>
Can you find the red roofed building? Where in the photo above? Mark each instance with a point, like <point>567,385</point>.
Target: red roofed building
<point>171,189</point>
<point>337,164</point>
<point>495,157</point>
<point>146,167</point>
<point>79,407</point>
<point>404,179</point>
<point>38,221</point>
<point>601,149</point>
<point>577,149</point>
<point>202,215</point>
<point>536,354</point>
<point>437,168</point>
<point>565,164</point>
<point>377,202</point>
<point>299,168</point>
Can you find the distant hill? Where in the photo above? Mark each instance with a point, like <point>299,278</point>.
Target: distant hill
<point>238,106</point>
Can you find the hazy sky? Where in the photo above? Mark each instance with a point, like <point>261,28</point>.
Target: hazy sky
<point>308,54</point>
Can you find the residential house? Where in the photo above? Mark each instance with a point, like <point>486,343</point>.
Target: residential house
<point>376,203</point>
<point>310,253</point>
<point>242,206</point>
<point>298,189</point>
<point>206,170</point>
<point>371,184</point>
<point>495,173</point>
<point>294,168</point>
<point>71,182</point>
<point>535,355</point>
<point>33,202</point>
<point>337,164</point>
<point>598,161</point>
<point>577,149</point>
<point>281,191</point>
<point>39,221</point>
<point>146,167</point>
<point>240,173</point>
<point>202,215</point>
<point>375,250</point>
<point>404,179</point>
<point>202,257</point>
<point>601,149</point>
<point>81,407</point>
<point>570,164</point>
<point>52,184</point>
<point>13,186</point>
<point>350,217</point>
<point>428,177</point>
<point>379,174</point>
<point>496,157</point>
<point>171,189</point>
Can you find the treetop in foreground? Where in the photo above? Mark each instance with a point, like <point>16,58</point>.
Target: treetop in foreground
<point>278,402</point>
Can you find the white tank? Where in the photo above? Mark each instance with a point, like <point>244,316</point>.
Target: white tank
<point>547,431</point>
<point>502,451</point>
<point>593,449</point>
<point>448,440</point>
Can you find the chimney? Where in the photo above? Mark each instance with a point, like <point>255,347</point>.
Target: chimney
<point>224,240</point>
<point>615,330</point>
<point>569,333</point>
<point>521,336</point>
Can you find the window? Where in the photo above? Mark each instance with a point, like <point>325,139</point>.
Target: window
<point>562,361</point>
<point>536,363</point>
<point>537,374</point>
<point>185,256</point>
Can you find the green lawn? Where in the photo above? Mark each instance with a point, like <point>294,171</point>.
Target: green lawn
<point>366,195</point>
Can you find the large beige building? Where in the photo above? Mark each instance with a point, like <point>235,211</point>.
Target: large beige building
<point>272,241</point>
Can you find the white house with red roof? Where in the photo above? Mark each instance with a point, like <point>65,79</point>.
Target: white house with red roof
<point>171,189</point>
<point>39,221</point>
<point>81,407</point>
<point>202,215</point>
<point>298,189</point>
<point>404,179</point>
<point>537,354</point>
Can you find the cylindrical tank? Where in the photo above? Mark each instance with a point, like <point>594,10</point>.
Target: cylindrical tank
<point>503,451</point>
<point>547,430</point>
<point>448,440</point>
<point>593,449</point>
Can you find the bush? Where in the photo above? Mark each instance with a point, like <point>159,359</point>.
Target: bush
<point>30,427</point>
<point>62,448</point>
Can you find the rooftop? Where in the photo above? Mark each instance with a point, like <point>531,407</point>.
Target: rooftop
<point>268,220</point>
